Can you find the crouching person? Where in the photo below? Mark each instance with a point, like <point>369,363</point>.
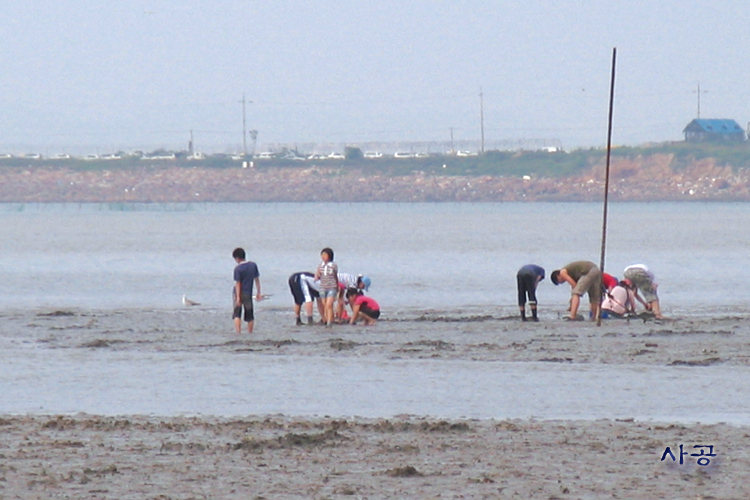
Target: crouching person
<point>619,302</point>
<point>363,307</point>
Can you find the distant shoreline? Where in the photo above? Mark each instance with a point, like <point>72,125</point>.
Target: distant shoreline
<point>646,179</point>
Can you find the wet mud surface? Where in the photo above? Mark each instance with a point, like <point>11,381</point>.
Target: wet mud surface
<point>699,340</point>
<point>90,457</point>
<point>277,457</point>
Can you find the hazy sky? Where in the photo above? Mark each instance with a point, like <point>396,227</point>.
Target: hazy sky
<point>131,74</point>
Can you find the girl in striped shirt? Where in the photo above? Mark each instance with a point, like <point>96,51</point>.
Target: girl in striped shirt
<point>327,273</point>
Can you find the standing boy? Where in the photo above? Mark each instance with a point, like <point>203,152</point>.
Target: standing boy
<point>245,275</point>
<point>528,278</point>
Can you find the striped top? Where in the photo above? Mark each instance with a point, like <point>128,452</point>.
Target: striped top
<point>328,275</point>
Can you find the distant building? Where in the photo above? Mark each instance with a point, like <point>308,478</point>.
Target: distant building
<point>701,130</point>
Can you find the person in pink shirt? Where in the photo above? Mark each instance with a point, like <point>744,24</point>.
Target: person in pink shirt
<point>363,307</point>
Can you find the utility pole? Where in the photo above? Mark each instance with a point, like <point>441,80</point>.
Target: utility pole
<point>699,99</point>
<point>244,125</point>
<point>254,135</point>
<point>481,117</point>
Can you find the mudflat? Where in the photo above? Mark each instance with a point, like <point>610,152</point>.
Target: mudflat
<point>469,333</point>
<point>78,455</point>
<point>136,457</point>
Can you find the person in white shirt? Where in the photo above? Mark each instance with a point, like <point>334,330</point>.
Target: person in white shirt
<point>346,281</point>
<point>304,290</point>
<point>644,282</point>
<point>620,301</point>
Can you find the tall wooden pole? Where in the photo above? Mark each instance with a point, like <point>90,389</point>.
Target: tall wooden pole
<point>606,177</point>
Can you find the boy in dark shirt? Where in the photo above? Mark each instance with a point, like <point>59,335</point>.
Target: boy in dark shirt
<point>528,278</point>
<point>245,275</point>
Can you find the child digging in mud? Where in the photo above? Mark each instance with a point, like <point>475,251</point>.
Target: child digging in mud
<point>364,308</point>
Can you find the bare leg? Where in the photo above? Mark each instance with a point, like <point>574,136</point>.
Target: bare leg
<point>308,312</point>
<point>366,319</point>
<point>329,310</point>
<point>250,325</point>
<point>656,309</point>
<point>321,309</point>
<point>575,301</point>
<point>238,325</point>
<point>297,311</point>
<point>594,310</point>
<point>339,305</point>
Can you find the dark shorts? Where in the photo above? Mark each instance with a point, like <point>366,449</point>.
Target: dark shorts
<point>296,288</point>
<point>370,313</point>
<point>526,287</point>
<point>247,305</point>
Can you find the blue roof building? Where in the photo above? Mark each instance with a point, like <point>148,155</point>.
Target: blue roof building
<point>702,130</point>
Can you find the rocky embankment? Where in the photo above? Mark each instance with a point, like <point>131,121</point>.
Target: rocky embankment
<point>649,178</point>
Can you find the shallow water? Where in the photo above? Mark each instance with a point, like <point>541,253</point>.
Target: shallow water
<point>422,255</point>
<point>117,274</point>
<point>187,384</point>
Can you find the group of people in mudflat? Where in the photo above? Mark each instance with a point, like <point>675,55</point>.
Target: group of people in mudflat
<point>616,298</point>
<point>334,290</point>
<point>331,289</point>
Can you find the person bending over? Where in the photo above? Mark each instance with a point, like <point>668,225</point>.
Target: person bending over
<point>304,290</point>
<point>645,283</point>
<point>528,279</point>
<point>584,277</point>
